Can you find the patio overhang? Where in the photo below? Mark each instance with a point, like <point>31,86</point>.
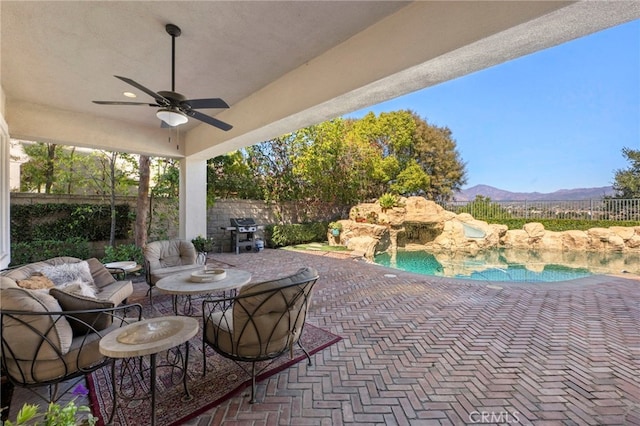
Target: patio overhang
<point>280,65</point>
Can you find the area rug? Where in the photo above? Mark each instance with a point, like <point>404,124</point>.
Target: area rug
<point>224,379</point>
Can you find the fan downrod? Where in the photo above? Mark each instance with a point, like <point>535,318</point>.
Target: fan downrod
<point>173,30</point>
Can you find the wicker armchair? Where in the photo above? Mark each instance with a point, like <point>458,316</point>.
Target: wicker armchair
<point>261,323</point>
<point>47,348</point>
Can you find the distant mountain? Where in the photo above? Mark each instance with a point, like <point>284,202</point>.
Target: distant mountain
<point>496,194</point>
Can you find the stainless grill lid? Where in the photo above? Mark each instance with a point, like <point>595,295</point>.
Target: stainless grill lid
<point>243,222</point>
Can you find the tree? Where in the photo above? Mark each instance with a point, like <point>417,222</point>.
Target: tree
<point>483,208</point>
<point>627,181</point>
<point>411,180</point>
<point>39,170</point>
<point>272,166</point>
<point>345,161</point>
<point>326,163</point>
<point>407,143</point>
<point>229,176</point>
<point>142,203</point>
<point>435,151</point>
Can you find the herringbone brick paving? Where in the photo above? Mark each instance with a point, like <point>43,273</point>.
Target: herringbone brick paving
<point>420,350</point>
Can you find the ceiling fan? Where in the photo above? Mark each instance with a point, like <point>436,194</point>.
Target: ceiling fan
<point>174,107</point>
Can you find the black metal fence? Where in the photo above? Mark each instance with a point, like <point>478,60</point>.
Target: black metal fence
<point>598,209</point>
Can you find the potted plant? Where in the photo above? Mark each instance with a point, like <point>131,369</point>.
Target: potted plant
<point>336,228</point>
<point>202,244</point>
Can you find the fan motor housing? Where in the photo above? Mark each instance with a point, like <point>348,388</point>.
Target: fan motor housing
<point>172,96</point>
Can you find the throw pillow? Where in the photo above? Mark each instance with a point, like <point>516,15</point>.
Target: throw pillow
<point>100,274</point>
<point>68,272</point>
<point>84,322</point>
<point>80,288</point>
<point>36,281</point>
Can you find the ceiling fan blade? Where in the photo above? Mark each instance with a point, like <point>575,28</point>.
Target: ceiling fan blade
<point>205,103</point>
<point>159,98</point>
<point>209,120</point>
<point>124,103</point>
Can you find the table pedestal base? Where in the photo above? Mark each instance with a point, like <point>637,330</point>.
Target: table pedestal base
<point>132,376</point>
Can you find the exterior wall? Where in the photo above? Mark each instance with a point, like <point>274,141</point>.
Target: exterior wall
<point>264,213</point>
<point>165,219</point>
<point>21,198</point>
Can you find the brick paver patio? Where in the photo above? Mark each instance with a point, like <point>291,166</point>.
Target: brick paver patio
<point>422,350</point>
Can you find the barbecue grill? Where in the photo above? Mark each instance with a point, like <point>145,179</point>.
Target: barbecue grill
<point>242,234</point>
<point>244,224</point>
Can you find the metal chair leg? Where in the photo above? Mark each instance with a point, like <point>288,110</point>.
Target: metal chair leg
<point>253,383</point>
<point>305,352</point>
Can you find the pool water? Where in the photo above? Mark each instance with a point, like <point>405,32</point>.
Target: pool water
<point>487,268</point>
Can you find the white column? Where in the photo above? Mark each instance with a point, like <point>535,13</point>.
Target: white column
<point>193,198</point>
<point>5,202</point>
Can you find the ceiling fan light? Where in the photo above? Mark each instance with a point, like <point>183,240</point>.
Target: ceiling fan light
<point>171,117</point>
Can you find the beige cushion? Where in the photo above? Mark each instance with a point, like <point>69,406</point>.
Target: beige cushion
<point>158,274</point>
<point>167,253</point>
<point>263,324</point>
<point>219,330</point>
<point>83,354</point>
<point>7,283</point>
<point>26,343</point>
<point>101,275</point>
<point>117,292</point>
<point>73,302</point>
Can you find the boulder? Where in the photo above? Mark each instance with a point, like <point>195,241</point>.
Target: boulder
<point>623,232</point>
<point>575,240</point>
<point>422,224</point>
<point>534,230</point>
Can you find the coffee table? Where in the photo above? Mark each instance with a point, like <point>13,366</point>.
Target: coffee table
<point>149,337</point>
<point>181,284</point>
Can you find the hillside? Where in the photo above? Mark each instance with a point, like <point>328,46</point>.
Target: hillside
<point>497,194</point>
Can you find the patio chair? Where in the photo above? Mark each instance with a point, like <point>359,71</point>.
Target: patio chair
<point>167,257</point>
<point>262,322</point>
<point>43,346</point>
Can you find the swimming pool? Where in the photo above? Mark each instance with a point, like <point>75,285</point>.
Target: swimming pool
<point>508,265</point>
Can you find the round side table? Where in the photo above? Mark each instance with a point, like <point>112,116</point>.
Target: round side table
<point>149,337</point>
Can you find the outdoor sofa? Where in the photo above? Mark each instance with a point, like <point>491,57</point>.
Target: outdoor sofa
<point>50,326</point>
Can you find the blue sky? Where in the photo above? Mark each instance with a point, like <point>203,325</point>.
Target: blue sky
<point>555,119</point>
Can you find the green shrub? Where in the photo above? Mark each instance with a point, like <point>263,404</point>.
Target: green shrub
<point>559,225</point>
<point>123,252</point>
<point>388,201</point>
<point>62,221</point>
<point>287,235</point>
<point>35,251</point>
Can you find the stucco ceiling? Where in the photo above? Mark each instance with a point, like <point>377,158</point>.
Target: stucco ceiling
<point>279,65</point>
